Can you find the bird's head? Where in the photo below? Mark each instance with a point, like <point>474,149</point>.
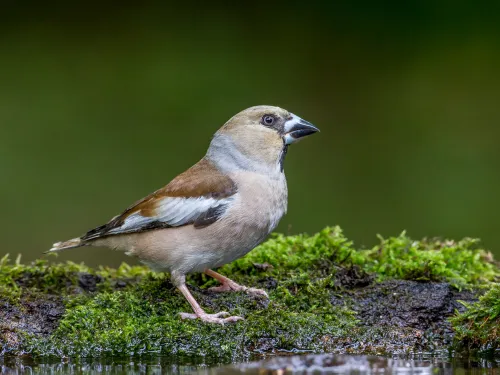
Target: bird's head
<point>258,138</point>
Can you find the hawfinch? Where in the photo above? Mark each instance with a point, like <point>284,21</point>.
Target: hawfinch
<point>216,211</point>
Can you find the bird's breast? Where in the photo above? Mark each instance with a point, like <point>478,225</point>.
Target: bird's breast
<point>262,199</point>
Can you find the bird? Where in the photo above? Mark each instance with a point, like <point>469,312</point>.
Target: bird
<point>216,211</point>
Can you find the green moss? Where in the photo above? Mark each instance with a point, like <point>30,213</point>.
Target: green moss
<point>478,328</point>
<point>146,319</point>
<point>44,277</point>
<point>462,263</point>
<point>295,254</point>
<point>130,310</point>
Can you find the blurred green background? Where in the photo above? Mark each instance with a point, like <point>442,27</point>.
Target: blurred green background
<point>100,105</point>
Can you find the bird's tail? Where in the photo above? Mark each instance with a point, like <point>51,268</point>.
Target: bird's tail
<point>70,244</point>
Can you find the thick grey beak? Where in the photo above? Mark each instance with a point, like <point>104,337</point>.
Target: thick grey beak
<point>297,128</point>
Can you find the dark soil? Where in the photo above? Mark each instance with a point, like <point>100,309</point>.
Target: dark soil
<point>38,316</point>
<point>403,303</point>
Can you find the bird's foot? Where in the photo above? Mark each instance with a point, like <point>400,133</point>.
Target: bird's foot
<point>231,286</point>
<point>213,318</point>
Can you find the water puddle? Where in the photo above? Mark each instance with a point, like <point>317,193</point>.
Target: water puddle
<point>306,364</point>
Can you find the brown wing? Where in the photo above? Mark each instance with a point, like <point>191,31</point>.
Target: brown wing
<point>201,194</point>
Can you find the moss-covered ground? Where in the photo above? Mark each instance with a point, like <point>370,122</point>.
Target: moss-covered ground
<point>325,296</point>
<point>479,326</point>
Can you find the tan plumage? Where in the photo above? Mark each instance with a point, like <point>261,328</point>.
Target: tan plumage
<point>217,210</point>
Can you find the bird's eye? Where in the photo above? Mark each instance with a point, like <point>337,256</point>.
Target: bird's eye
<point>268,120</point>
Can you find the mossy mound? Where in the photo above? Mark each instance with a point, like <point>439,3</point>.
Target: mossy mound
<point>478,328</point>
<point>325,296</point>
<point>460,263</point>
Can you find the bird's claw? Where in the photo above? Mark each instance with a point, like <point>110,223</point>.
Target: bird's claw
<point>212,318</point>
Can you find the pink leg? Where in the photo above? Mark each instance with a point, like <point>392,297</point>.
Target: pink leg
<point>199,313</point>
<point>228,285</point>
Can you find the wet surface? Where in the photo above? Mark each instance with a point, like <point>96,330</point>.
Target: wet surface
<point>306,364</point>
<point>404,303</point>
<point>33,316</point>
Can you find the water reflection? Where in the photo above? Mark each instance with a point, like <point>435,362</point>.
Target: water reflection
<point>328,364</point>
<point>308,364</point>
<point>345,364</point>
<point>125,365</point>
